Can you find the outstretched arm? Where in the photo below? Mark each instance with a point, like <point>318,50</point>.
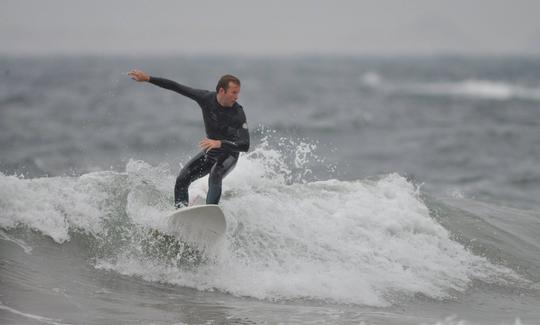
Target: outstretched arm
<point>195,94</point>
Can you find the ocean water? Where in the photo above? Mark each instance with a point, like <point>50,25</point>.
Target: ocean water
<point>375,191</point>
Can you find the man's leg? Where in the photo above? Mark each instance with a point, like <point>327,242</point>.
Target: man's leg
<point>196,168</point>
<point>220,169</point>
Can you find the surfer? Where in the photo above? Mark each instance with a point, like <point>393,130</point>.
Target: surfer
<point>226,134</point>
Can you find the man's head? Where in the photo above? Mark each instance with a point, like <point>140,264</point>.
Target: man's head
<point>228,89</point>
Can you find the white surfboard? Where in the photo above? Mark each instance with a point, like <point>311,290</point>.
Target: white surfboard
<point>201,225</point>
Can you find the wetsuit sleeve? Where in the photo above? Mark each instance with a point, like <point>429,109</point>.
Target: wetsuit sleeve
<point>242,138</point>
<point>195,94</point>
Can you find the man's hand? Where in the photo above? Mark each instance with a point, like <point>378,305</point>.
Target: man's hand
<point>138,75</point>
<point>209,144</point>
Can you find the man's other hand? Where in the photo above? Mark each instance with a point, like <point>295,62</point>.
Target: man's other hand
<point>209,144</point>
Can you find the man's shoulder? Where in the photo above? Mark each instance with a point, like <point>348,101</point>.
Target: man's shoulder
<point>208,94</point>
<point>207,99</point>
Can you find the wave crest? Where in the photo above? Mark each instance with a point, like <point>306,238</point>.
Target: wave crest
<point>370,242</point>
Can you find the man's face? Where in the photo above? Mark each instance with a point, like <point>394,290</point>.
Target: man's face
<point>231,95</point>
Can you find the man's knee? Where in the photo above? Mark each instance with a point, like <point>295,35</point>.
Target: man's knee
<point>216,176</point>
<point>220,170</point>
<point>183,180</point>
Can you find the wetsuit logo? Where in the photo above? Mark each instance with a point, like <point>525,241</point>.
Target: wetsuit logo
<point>244,126</point>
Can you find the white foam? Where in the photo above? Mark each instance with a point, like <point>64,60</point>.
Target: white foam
<point>149,198</point>
<point>344,241</point>
<point>53,205</point>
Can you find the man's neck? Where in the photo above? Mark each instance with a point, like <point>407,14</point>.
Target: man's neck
<point>220,101</point>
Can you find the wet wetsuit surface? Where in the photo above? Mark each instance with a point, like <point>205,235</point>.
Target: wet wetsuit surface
<point>227,124</point>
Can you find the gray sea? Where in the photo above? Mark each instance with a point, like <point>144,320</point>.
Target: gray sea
<point>376,191</point>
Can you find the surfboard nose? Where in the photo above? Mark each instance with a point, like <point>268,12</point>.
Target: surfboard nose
<point>201,225</point>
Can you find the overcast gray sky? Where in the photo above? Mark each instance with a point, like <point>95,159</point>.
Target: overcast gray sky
<point>281,27</point>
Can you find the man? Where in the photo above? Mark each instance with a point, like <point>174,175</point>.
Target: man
<point>226,134</point>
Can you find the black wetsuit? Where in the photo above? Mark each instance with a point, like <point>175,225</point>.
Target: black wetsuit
<point>227,124</point>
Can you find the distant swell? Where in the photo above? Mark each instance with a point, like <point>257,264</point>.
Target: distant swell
<point>477,89</point>
<point>470,88</point>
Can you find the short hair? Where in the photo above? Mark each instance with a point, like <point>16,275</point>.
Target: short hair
<point>225,80</point>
